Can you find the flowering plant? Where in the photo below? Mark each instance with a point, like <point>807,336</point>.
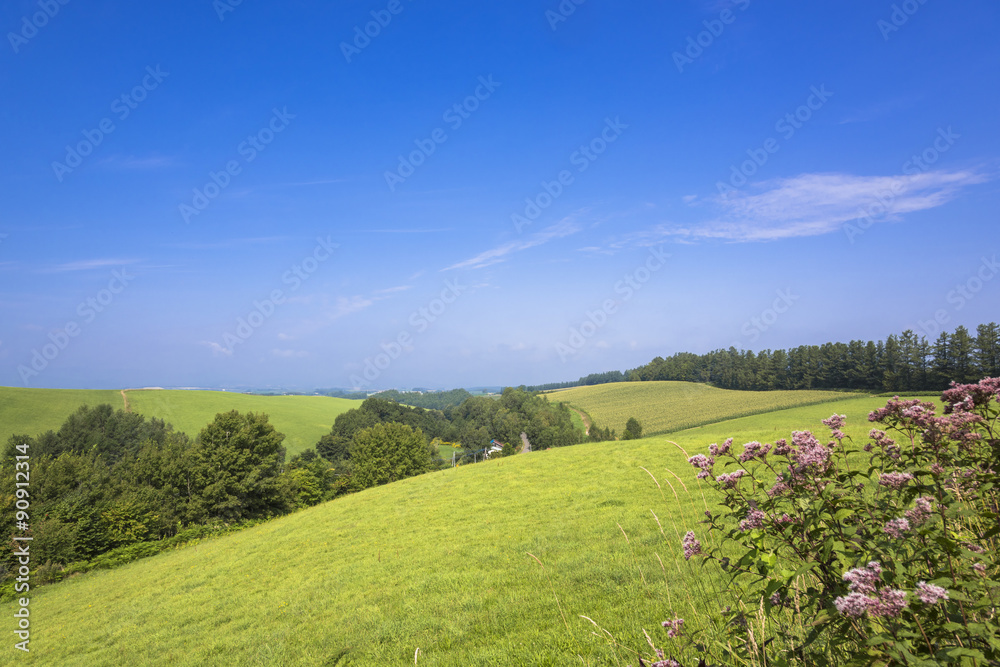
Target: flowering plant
<point>873,555</point>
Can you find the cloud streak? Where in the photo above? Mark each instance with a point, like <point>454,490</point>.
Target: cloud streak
<point>815,204</point>
<point>562,229</point>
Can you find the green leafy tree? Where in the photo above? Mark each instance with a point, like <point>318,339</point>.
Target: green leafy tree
<point>387,453</point>
<point>236,466</point>
<point>633,429</point>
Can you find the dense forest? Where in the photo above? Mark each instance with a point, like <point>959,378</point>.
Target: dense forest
<point>906,362</point>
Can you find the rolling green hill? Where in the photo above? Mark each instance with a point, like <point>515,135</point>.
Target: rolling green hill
<point>303,419</point>
<point>665,407</point>
<point>437,563</point>
<point>34,411</point>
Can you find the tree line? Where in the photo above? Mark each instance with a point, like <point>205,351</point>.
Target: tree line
<point>907,362</point>
<point>904,362</point>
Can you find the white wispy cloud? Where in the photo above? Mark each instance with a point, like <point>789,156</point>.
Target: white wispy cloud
<point>217,350</point>
<point>88,265</point>
<point>814,204</point>
<point>562,229</point>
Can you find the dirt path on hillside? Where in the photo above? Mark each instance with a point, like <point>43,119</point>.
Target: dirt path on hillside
<point>125,398</point>
<point>526,442</point>
<point>585,418</point>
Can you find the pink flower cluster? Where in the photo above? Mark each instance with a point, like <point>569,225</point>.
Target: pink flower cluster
<point>673,627</point>
<point>755,519</point>
<point>885,443</point>
<point>895,480</point>
<point>902,409</point>
<point>836,422</point>
<point>728,480</point>
<point>897,528</point>
<point>692,547</point>
<point>930,594</point>
<point>863,584</point>
<point>704,464</point>
<point>754,450</point>
<point>716,450</point>
<point>964,397</point>
<point>922,509</point>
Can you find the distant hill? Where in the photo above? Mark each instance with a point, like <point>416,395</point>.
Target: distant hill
<point>303,419</point>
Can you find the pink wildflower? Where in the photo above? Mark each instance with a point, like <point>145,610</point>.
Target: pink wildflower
<point>716,450</point>
<point>930,594</point>
<point>895,480</point>
<point>854,604</point>
<point>863,579</point>
<point>673,627</point>
<point>890,603</point>
<point>922,509</point>
<point>729,479</point>
<point>704,464</point>
<point>754,450</point>
<point>781,447</point>
<point>897,528</point>
<point>692,547</point>
<point>755,519</point>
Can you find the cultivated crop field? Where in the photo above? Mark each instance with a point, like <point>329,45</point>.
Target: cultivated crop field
<point>665,407</point>
<point>437,563</point>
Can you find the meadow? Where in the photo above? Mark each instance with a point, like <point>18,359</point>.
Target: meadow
<point>34,411</point>
<point>444,563</point>
<point>303,419</point>
<point>665,407</point>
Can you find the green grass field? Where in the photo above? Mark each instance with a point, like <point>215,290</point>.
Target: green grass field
<point>665,407</point>
<point>303,419</point>
<point>437,563</point>
<point>34,411</point>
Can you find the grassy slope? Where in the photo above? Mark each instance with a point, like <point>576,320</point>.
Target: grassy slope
<point>436,562</point>
<point>665,407</point>
<point>33,411</point>
<point>303,419</point>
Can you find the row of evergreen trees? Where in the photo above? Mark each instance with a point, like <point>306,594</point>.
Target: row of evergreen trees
<point>907,362</point>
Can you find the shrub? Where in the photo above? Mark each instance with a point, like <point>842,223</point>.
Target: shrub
<point>873,555</point>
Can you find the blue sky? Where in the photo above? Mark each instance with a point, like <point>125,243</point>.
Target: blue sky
<point>259,194</point>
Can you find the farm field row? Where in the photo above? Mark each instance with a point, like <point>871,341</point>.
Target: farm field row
<point>665,407</point>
